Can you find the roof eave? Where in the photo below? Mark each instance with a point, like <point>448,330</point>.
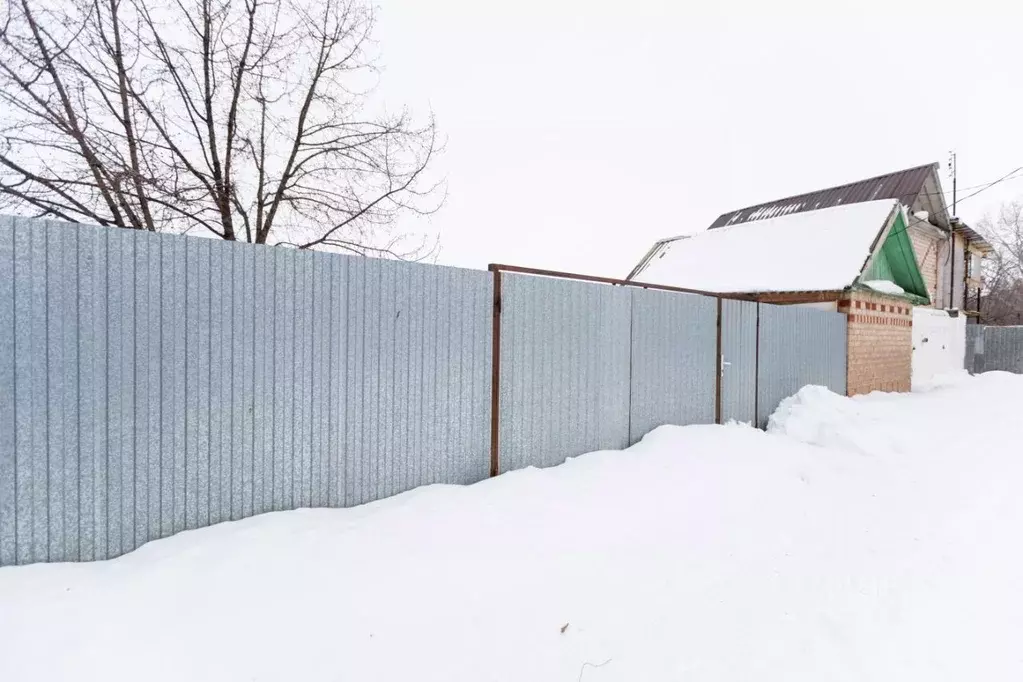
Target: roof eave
<point>972,237</point>
<point>905,296</point>
<point>654,250</point>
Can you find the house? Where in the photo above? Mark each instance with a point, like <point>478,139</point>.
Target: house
<point>872,249</point>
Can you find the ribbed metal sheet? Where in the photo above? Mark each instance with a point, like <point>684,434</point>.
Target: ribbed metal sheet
<point>905,185</point>
<point>798,347</point>
<point>418,362</point>
<point>153,383</point>
<point>674,355</point>
<point>1002,349</point>
<point>973,360</point>
<point>738,361</point>
<point>564,387</point>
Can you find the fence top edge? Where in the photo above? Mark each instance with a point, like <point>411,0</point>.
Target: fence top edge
<point>557,274</point>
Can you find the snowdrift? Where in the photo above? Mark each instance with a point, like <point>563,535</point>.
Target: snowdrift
<point>872,538</point>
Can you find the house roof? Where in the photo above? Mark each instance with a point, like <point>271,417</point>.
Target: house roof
<point>904,185</point>
<point>972,236</point>
<point>809,250</point>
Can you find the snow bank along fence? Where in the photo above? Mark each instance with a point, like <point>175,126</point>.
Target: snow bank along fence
<point>994,348</point>
<point>588,363</point>
<point>155,383</point>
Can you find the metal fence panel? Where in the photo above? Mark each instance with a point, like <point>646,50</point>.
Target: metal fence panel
<point>564,360</point>
<point>419,355</point>
<point>1003,349</point>
<point>973,353</point>
<point>799,346</point>
<point>674,355</point>
<point>8,463</point>
<point>153,383</point>
<point>738,361</point>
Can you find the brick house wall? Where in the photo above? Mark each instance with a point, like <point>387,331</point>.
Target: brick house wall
<point>926,246</point>
<point>932,256</point>
<point>880,342</point>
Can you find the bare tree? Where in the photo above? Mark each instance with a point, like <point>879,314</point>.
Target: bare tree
<point>1003,269</point>
<point>254,120</point>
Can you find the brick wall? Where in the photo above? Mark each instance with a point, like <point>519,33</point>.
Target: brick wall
<point>927,245</point>
<point>880,342</point>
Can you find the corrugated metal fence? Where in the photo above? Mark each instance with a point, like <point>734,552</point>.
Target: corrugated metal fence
<point>994,349</point>
<point>564,370</point>
<point>155,383</point>
<point>740,327</point>
<point>798,346</point>
<point>591,366</point>
<point>674,351</point>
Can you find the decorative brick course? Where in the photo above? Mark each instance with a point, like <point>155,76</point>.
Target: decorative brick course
<point>879,341</point>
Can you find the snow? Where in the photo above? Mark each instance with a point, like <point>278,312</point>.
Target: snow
<point>884,286</point>
<point>869,539</point>
<point>922,215</point>
<point>821,250</point>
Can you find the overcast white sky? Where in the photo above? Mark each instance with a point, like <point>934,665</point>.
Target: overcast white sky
<point>578,132</point>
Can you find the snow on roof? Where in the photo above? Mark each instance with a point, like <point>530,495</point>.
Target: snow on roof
<point>884,286</point>
<point>822,250</point>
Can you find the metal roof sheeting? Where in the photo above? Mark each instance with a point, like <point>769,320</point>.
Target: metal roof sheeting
<point>973,237</point>
<point>904,185</point>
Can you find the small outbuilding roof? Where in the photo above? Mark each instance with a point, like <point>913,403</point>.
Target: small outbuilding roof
<point>819,250</point>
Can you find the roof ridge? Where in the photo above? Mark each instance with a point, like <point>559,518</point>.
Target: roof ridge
<point>933,164</point>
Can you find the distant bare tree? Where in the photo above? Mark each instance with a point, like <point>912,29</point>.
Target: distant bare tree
<point>1003,269</point>
<point>251,119</point>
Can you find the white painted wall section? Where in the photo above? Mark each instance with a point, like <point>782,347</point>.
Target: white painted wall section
<point>939,344</point>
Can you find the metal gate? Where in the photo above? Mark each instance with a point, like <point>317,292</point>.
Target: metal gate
<point>673,358</point>
<point>738,361</point>
<point>798,347</point>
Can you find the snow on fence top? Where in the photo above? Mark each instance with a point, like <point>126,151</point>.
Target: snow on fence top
<point>822,250</point>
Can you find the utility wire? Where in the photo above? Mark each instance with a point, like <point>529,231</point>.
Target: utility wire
<point>983,187</point>
<point>1007,176</point>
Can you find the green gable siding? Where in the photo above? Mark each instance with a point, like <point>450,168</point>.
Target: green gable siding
<point>896,262</point>
<point>880,268</point>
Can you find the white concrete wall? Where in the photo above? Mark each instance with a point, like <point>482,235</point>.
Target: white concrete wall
<point>939,344</point>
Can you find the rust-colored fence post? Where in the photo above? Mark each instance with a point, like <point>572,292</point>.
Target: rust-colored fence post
<point>718,367</point>
<point>495,377</point>
<point>756,373</point>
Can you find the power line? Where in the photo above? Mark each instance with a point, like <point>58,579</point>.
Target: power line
<point>1007,176</point>
<point>1012,176</point>
<point>984,187</point>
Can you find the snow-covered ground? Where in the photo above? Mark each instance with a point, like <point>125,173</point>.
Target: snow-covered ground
<point>877,538</point>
